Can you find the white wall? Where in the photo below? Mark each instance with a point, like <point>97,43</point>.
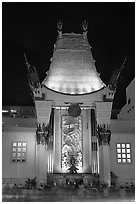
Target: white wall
<point>128,111</point>
<point>19,122</point>
<point>125,172</point>
<point>18,170</point>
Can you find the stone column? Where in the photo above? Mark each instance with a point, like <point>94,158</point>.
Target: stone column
<point>104,163</point>
<point>43,111</point>
<point>103,115</point>
<point>41,163</point>
<point>41,155</point>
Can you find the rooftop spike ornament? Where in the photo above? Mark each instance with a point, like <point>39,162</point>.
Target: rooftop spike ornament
<point>33,79</point>
<point>85,25</point>
<point>26,62</point>
<point>85,28</point>
<point>115,77</point>
<point>59,26</point>
<point>113,83</point>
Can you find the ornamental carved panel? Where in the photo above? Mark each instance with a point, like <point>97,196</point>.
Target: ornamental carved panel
<point>103,134</point>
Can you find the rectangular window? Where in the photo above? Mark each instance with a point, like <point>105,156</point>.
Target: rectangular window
<point>19,151</point>
<point>123,153</point>
<point>24,144</point>
<point>14,144</point>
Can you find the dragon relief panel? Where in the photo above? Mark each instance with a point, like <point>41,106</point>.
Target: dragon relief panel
<point>71,141</point>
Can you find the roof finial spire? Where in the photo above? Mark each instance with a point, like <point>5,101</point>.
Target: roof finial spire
<point>85,28</point>
<point>59,25</point>
<point>115,78</point>
<point>26,61</point>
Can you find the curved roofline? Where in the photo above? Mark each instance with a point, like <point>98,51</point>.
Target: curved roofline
<point>74,94</point>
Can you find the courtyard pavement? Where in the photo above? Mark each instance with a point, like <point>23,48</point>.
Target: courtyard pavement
<point>57,194</point>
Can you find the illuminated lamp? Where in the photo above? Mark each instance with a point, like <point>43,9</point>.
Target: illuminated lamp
<point>74,110</point>
<point>13,111</point>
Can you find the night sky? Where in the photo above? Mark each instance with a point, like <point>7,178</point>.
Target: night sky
<point>32,28</point>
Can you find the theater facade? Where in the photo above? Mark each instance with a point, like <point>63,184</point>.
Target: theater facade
<point>71,123</point>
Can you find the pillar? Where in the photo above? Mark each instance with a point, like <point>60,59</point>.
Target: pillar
<point>103,115</point>
<point>104,164</point>
<point>94,144</point>
<point>43,111</point>
<point>41,164</point>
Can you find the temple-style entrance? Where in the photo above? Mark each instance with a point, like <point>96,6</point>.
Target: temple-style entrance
<point>73,108</point>
<point>75,137</point>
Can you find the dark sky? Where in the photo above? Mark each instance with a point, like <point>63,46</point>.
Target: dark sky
<point>31,28</point>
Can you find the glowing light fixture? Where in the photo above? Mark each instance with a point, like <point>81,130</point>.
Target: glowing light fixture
<point>13,111</point>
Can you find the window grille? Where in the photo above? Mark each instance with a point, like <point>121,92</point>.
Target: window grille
<point>123,153</point>
<point>19,150</point>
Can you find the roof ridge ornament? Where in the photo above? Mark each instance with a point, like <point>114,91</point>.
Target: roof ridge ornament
<point>115,78</point>
<point>85,28</point>
<point>33,80</point>
<point>59,26</point>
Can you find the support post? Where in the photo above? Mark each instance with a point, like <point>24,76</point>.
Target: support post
<point>41,164</point>
<point>43,110</point>
<point>104,164</point>
<point>103,115</point>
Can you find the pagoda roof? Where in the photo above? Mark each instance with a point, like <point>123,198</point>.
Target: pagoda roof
<point>72,69</point>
